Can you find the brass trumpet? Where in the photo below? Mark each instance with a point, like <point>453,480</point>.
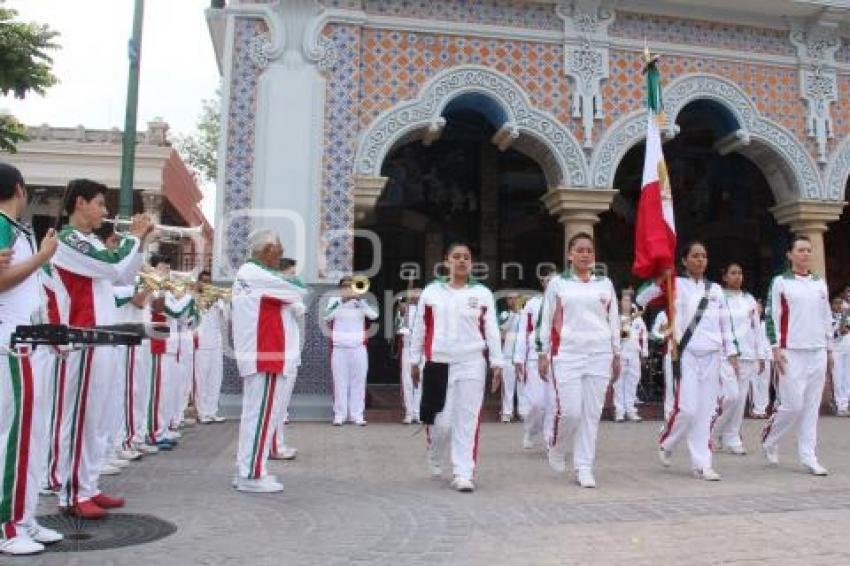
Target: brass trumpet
<point>154,282</point>
<point>359,284</point>
<point>211,294</point>
<point>122,224</point>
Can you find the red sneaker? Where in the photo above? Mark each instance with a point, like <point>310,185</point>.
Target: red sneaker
<point>107,501</point>
<point>87,510</point>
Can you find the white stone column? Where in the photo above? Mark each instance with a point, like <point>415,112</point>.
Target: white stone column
<point>577,209</point>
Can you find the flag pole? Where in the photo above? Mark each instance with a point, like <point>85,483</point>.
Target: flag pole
<point>671,316</point>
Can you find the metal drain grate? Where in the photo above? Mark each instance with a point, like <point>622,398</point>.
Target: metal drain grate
<point>116,531</point>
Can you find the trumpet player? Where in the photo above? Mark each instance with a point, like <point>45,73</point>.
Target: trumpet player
<point>84,272</point>
<point>348,316</point>
<point>841,355</point>
<point>635,351</point>
<point>209,362</point>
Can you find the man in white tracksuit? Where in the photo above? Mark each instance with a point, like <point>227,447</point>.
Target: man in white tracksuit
<point>841,353</point>
<point>411,396</point>
<point>455,325</point>
<point>635,350</point>
<point>265,310</point>
<point>539,393</point>
<point>347,317</point>
<point>209,357</point>
<point>726,431</point>
<point>508,323</point>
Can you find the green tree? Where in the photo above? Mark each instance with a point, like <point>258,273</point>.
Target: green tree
<point>25,67</point>
<point>200,150</point>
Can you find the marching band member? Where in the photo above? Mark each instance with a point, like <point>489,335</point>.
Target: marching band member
<point>161,381</point>
<point>84,272</point>
<point>704,335</point>
<point>538,390</point>
<point>455,335</point>
<point>799,325</point>
<point>411,396</point>
<point>760,384</point>
<point>660,332</point>
<point>635,350</point>
<point>56,462</point>
<point>580,337</point>
<point>735,385</point>
<point>266,342</point>
<point>841,355</point>
<point>209,362</point>
<point>180,310</point>
<point>347,317</point>
<point>24,400</point>
<point>280,450</point>
<point>508,321</point>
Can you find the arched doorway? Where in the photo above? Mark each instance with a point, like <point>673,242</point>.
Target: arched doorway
<point>458,187</point>
<point>720,196</point>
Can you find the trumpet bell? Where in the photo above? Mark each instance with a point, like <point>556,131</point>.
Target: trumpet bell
<point>359,285</point>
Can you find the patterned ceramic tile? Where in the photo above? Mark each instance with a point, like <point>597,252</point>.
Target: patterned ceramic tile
<point>695,32</point>
<point>513,13</point>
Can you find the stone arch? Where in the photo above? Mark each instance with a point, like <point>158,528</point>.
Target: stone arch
<point>790,170</point>
<point>534,132</point>
<point>838,171</point>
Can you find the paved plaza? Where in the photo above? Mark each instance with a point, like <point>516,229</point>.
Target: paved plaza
<point>363,496</point>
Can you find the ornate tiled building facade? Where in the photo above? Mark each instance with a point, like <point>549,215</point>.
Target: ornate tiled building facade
<point>565,77</point>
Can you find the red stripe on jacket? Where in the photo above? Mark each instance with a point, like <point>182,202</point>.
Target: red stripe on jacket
<point>79,287</point>
<point>270,336</point>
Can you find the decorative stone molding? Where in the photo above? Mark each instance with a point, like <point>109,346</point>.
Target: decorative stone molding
<point>563,163</point>
<point>838,171</point>
<point>367,190</point>
<point>816,45</point>
<point>505,137</point>
<point>771,146</point>
<point>586,62</point>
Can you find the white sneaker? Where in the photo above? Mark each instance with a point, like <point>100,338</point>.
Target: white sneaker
<point>506,418</point>
<point>634,417</point>
<point>527,441</point>
<point>42,534</point>
<point>407,420</point>
<point>619,418</point>
<point>707,474</point>
<point>119,463</point>
<point>814,468</point>
<point>131,454</point>
<point>337,422</point>
<point>262,485</point>
<point>557,463</point>
<point>146,448</point>
<point>172,434</point>
<point>361,422</point>
<point>463,485</point>
<point>666,457</point>
<point>736,450</point>
<point>771,455</point>
<point>205,420</point>
<point>20,545</point>
<point>288,453</point>
<point>218,419</point>
<point>584,477</point>
<point>107,469</point>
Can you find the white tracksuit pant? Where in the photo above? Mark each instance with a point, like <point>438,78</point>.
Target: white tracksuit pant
<point>156,414</point>
<point>581,381</point>
<point>279,436</point>
<point>841,379</point>
<point>625,388</point>
<point>509,388</point>
<point>136,394</point>
<point>537,397</point>
<point>57,462</point>
<point>522,407</point>
<point>456,426</point>
<point>110,388</point>
<point>800,392</point>
<point>24,407</point>
<point>694,407</point>
<point>261,406</point>
<point>669,386</point>
<point>760,389</point>
<point>209,369</point>
<point>89,374</point>
<point>730,417</point>
<point>349,367</point>
<point>411,396</point>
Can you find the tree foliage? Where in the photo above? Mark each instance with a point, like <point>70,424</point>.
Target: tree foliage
<point>25,67</point>
<point>200,149</point>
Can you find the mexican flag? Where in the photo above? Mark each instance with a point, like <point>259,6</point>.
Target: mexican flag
<point>655,230</point>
